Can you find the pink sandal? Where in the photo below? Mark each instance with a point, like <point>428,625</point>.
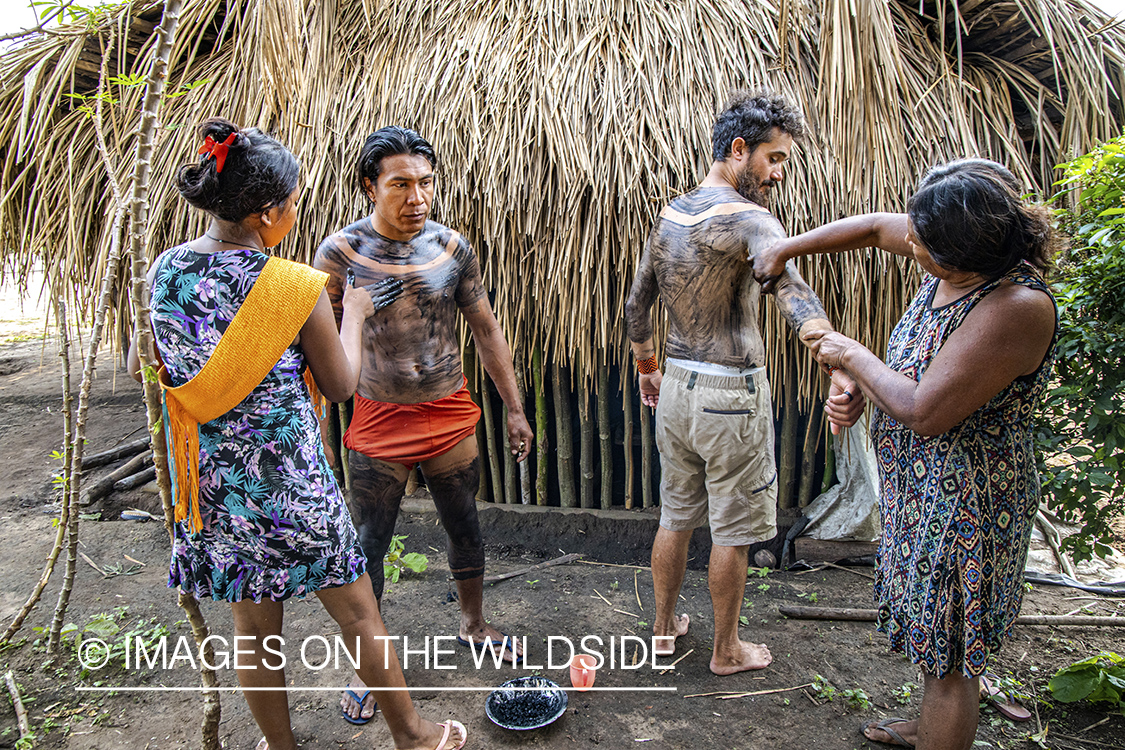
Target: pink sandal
<point>449,727</point>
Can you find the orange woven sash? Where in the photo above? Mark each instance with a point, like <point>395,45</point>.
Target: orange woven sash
<point>270,317</point>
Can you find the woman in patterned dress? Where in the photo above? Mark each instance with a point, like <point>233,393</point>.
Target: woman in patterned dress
<point>965,368</point>
<point>274,522</point>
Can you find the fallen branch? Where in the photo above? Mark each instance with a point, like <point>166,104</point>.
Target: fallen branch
<point>671,666</point>
<point>1053,537</point>
<point>115,454</point>
<point>614,565</point>
<point>141,477</point>
<point>105,485</point>
<point>17,704</point>
<point>797,612</point>
<point>724,694</point>
<point>557,561</point>
<point>826,564</point>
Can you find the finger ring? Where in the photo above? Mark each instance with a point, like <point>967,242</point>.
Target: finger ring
<point>848,394</point>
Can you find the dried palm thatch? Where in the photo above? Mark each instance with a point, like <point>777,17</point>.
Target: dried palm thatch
<point>562,125</point>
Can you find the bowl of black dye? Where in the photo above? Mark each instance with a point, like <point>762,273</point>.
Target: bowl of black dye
<point>525,708</point>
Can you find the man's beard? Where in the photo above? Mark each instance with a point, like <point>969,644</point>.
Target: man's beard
<point>753,189</point>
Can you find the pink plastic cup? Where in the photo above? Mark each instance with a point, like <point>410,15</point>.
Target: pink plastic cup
<point>582,671</point>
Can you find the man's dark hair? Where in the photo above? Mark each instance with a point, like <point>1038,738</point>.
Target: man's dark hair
<point>970,216</point>
<point>752,116</point>
<point>390,141</point>
<point>258,173</point>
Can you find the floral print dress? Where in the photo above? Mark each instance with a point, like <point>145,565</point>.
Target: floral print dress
<point>274,522</point>
<point>957,507</point>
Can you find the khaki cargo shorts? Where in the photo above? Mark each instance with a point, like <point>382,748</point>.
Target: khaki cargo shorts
<point>715,438</point>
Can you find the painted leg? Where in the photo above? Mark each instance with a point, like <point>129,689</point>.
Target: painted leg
<point>726,577</point>
<point>376,494</point>
<point>453,479</point>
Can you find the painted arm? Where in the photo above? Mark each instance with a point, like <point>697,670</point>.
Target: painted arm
<point>1004,337</point>
<point>496,357</point>
<point>883,230</point>
<point>638,324</point>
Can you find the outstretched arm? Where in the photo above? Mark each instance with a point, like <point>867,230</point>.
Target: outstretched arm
<point>883,230</point>
<point>638,326</point>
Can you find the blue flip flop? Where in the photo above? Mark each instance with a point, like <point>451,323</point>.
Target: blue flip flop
<point>358,699</point>
<point>507,646</point>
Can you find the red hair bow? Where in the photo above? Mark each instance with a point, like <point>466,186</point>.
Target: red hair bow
<point>218,150</point>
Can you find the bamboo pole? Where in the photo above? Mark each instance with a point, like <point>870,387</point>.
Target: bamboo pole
<point>647,448</point>
<point>586,446</point>
<point>798,612</point>
<point>605,437</point>
<point>564,440</point>
<point>68,499</point>
<point>522,468</point>
<point>138,222</point>
<point>787,439</point>
<point>542,452</point>
<point>813,435</point>
<point>627,440</point>
<point>342,414</point>
<point>490,442</point>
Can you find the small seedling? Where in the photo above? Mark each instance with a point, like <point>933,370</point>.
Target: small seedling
<point>396,561</point>
<point>531,584</point>
<point>903,693</point>
<point>763,587</point>
<point>742,620</point>
<point>613,586</point>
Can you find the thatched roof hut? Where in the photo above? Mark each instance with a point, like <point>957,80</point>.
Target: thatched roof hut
<point>562,126</point>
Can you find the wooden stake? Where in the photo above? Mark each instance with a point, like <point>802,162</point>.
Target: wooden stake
<point>564,440</point>
<point>586,446</point>
<point>542,445</point>
<point>627,442</point>
<point>648,445</point>
<point>605,437</point>
<point>490,442</point>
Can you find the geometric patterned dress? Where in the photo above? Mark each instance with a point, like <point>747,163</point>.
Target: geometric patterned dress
<point>957,508</point>
<point>274,522</point>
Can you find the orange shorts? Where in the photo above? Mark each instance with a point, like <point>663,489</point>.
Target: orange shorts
<point>409,433</point>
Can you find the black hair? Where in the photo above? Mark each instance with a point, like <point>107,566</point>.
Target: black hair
<point>258,173</point>
<point>752,116</point>
<point>970,215</point>
<point>389,141</point>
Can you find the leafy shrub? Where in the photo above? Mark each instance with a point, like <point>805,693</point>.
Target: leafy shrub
<point>1080,432</point>
<point>1099,679</point>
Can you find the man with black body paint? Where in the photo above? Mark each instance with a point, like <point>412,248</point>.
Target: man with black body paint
<point>714,424</point>
<point>412,406</point>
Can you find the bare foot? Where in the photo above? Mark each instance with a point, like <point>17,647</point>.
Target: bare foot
<point>357,703</point>
<point>753,656</point>
<point>880,731</point>
<point>510,649</point>
<point>664,644</point>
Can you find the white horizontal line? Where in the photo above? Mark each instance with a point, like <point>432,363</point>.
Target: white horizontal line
<point>412,689</point>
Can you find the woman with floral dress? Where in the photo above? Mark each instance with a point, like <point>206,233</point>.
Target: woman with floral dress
<point>269,521</point>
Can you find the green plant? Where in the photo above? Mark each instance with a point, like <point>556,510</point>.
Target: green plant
<point>1098,679</point>
<point>763,587</point>
<point>812,596</point>
<point>531,584</point>
<point>613,586</point>
<point>904,692</point>
<point>1080,431</point>
<point>396,561</point>
<point>855,697</point>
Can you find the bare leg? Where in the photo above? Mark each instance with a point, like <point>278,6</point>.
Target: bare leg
<point>353,607</point>
<point>270,709</point>
<point>453,479</point>
<point>669,561</point>
<point>374,500</point>
<point>726,578</point>
<point>950,711</point>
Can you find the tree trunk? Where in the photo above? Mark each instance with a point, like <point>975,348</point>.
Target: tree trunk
<point>138,207</point>
<point>542,445</point>
<point>564,440</point>
<point>69,480</point>
<point>605,437</point>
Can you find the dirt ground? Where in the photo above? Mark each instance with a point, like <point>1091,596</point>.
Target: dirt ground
<point>569,601</point>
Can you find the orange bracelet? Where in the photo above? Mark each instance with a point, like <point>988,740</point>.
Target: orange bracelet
<point>648,365</point>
